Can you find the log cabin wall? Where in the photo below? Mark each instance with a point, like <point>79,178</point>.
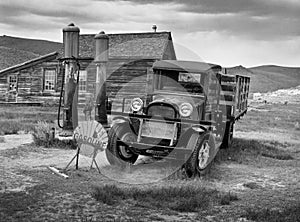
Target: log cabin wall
<point>30,82</point>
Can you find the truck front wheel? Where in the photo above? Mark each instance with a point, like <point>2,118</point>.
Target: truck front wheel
<point>117,151</point>
<point>204,151</point>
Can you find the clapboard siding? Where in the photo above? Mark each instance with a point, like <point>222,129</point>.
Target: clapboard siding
<point>30,81</point>
<point>130,79</point>
<point>125,79</point>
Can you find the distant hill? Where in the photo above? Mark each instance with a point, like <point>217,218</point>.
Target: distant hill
<point>269,77</point>
<point>40,47</point>
<point>14,50</point>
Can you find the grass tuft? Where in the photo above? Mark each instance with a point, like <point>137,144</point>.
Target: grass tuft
<point>182,198</point>
<point>43,135</point>
<point>288,214</point>
<point>227,198</point>
<point>244,151</point>
<point>14,126</point>
<point>2,139</point>
<point>23,118</point>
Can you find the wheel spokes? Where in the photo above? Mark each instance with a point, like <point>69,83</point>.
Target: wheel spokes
<point>203,155</point>
<point>125,152</point>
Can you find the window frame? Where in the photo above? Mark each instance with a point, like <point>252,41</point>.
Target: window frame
<point>54,80</point>
<point>84,80</point>
<point>15,82</point>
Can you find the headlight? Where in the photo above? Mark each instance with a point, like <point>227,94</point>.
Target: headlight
<point>136,104</point>
<point>185,109</point>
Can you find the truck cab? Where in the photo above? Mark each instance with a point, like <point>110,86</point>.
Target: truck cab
<point>185,117</point>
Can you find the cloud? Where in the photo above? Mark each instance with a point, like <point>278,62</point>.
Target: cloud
<point>256,19</point>
<point>207,26</point>
<point>31,14</point>
<point>231,50</point>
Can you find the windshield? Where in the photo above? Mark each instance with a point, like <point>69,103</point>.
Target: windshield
<point>181,82</point>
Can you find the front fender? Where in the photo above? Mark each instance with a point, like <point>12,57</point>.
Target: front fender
<point>126,121</point>
<point>119,119</point>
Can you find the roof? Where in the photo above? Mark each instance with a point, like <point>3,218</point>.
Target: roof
<point>185,66</point>
<point>128,45</point>
<point>29,63</point>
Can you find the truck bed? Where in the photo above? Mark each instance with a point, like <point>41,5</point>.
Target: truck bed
<point>234,94</point>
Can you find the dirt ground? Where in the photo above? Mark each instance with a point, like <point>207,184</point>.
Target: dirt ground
<point>29,191</point>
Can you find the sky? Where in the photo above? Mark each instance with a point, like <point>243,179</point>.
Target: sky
<point>225,32</point>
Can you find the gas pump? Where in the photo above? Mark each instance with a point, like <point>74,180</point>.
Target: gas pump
<point>101,59</point>
<point>70,82</point>
<point>70,79</point>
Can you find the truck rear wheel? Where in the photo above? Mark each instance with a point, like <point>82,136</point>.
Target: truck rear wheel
<point>118,152</point>
<point>203,153</point>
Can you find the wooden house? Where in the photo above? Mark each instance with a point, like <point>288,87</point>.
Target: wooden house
<point>131,56</point>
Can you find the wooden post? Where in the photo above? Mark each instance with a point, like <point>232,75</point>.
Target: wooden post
<point>101,59</point>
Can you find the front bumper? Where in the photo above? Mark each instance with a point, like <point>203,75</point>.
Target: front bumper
<point>159,151</point>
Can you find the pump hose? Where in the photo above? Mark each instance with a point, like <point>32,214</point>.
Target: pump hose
<point>60,98</point>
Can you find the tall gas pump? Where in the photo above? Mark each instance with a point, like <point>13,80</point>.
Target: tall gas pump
<point>101,59</point>
<point>69,89</point>
<point>70,83</point>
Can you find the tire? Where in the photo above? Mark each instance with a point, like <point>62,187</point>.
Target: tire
<point>116,153</point>
<point>204,151</point>
<point>228,136</point>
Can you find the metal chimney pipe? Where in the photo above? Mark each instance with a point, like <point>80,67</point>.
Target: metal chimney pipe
<point>101,59</point>
<point>154,27</point>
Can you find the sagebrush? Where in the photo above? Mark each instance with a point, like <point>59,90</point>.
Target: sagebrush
<point>44,135</point>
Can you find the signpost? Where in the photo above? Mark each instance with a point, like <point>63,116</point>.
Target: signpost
<point>91,138</point>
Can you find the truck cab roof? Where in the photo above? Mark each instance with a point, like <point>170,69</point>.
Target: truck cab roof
<point>185,66</point>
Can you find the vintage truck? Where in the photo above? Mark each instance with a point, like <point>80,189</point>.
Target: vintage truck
<point>188,116</point>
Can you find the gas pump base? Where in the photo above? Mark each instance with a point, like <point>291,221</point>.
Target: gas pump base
<point>65,135</point>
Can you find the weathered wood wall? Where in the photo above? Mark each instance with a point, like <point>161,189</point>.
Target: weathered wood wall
<point>30,81</point>
<point>126,78</point>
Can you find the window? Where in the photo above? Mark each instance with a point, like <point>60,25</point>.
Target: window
<point>50,77</point>
<point>12,82</point>
<point>189,77</point>
<point>82,80</point>
<point>181,82</point>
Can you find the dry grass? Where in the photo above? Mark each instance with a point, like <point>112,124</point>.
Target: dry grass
<point>268,117</point>
<point>182,198</point>
<point>245,151</point>
<point>36,120</point>
<point>43,135</point>
<point>287,214</point>
<point>2,139</point>
<point>172,196</point>
<point>15,119</point>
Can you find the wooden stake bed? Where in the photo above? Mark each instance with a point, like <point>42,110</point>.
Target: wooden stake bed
<point>234,94</point>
